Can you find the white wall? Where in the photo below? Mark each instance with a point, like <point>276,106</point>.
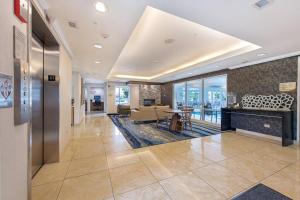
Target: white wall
<point>111,97</point>
<point>79,112</point>
<point>65,96</point>
<point>13,139</point>
<point>134,95</point>
<point>298,103</point>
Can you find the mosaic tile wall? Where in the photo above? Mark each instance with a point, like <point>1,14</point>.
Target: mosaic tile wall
<point>264,79</point>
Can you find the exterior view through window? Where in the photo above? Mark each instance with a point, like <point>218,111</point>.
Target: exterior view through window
<point>207,96</point>
<point>122,95</point>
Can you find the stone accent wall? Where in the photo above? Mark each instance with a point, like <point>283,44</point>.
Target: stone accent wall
<point>150,92</point>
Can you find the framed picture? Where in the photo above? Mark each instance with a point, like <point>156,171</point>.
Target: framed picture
<point>6,91</point>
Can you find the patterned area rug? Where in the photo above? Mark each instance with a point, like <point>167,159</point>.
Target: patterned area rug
<point>147,134</point>
<point>261,192</point>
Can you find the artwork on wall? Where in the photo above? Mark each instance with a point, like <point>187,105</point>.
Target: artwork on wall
<point>6,91</point>
<point>271,102</point>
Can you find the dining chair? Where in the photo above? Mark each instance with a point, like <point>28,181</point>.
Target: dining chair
<point>187,117</point>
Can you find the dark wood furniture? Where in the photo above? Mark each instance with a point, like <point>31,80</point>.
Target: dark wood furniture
<point>270,122</point>
<point>96,106</point>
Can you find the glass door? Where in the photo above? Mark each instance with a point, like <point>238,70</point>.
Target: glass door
<point>215,98</point>
<point>194,97</point>
<point>179,95</point>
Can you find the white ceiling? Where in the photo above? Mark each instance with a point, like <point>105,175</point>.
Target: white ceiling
<point>275,28</point>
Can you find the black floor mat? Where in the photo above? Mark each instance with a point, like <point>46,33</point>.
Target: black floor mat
<point>261,192</point>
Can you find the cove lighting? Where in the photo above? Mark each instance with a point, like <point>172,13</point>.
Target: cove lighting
<point>100,7</point>
<point>261,54</point>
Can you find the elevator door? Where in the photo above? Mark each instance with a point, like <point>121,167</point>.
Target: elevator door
<point>37,74</point>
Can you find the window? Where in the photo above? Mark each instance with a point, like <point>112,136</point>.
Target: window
<point>207,96</point>
<point>122,95</point>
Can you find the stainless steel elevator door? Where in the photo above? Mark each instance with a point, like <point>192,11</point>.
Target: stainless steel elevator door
<point>37,77</point>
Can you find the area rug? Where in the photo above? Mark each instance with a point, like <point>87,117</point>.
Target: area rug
<point>147,134</point>
<point>261,192</point>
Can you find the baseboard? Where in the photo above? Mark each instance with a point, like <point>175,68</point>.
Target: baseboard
<point>256,134</point>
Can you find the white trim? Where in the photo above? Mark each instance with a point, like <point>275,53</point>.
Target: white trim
<point>259,134</point>
<point>297,53</point>
<point>298,103</point>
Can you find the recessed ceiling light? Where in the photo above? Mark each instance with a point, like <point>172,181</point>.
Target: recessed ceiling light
<point>97,62</point>
<point>100,7</point>
<point>190,73</point>
<point>169,41</point>
<point>98,46</point>
<point>261,54</point>
<point>262,3</point>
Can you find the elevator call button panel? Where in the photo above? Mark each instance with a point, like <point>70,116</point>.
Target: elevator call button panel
<point>21,97</point>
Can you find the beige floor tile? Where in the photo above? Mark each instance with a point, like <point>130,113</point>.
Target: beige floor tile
<point>163,168</point>
<point>48,191</point>
<point>265,161</point>
<point>190,160</point>
<point>246,169</point>
<point>189,186</point>
<point>292,171</point>
<point>223,180</point>
<point>89,150</point>
<point>280,153</point>
<point>129,177</point>
<point>150,192</point>
<point>118,159</point>
<point>51,173</point>
<point>86,166</point>
<point>284,185</point>
<point>92,187</point>
<point>248,144</point>
<point>223,138</point>
<point>68,154</point>
<point>115,147</point>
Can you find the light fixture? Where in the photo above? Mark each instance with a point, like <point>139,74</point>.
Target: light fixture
<point>97,62</point>
<point>190,73</point>
<point>261,54</point>
<point>100,7</point>
<point>98,46</point>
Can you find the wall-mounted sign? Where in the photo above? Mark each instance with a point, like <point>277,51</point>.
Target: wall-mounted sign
<point>20,45</point>
<point>287,87</point>
<point>21,10</point>
<point>6,91</point>
<point>21,93</point>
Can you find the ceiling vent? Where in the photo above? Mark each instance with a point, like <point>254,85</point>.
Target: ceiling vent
<point>72,25</point>
<point>262,3</point>
<point>169,41</point>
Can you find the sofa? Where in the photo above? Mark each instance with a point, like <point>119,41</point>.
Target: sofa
<point>148,113</point>
<point>123,109</point>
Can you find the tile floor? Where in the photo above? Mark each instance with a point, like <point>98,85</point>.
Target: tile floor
<point>100,164</point>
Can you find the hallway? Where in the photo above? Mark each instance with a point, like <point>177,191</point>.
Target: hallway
<point>100,164</point>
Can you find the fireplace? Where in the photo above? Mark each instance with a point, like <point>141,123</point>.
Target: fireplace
<point>149,102</point>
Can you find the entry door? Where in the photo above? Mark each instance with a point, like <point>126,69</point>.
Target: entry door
<point>36,70</point>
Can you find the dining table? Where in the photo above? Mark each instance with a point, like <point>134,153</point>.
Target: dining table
<point>176,124</point>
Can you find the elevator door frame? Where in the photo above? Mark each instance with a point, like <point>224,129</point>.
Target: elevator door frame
<point>40,46</point>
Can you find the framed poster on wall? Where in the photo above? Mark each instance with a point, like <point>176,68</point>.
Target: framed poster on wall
<point>6,91</point>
